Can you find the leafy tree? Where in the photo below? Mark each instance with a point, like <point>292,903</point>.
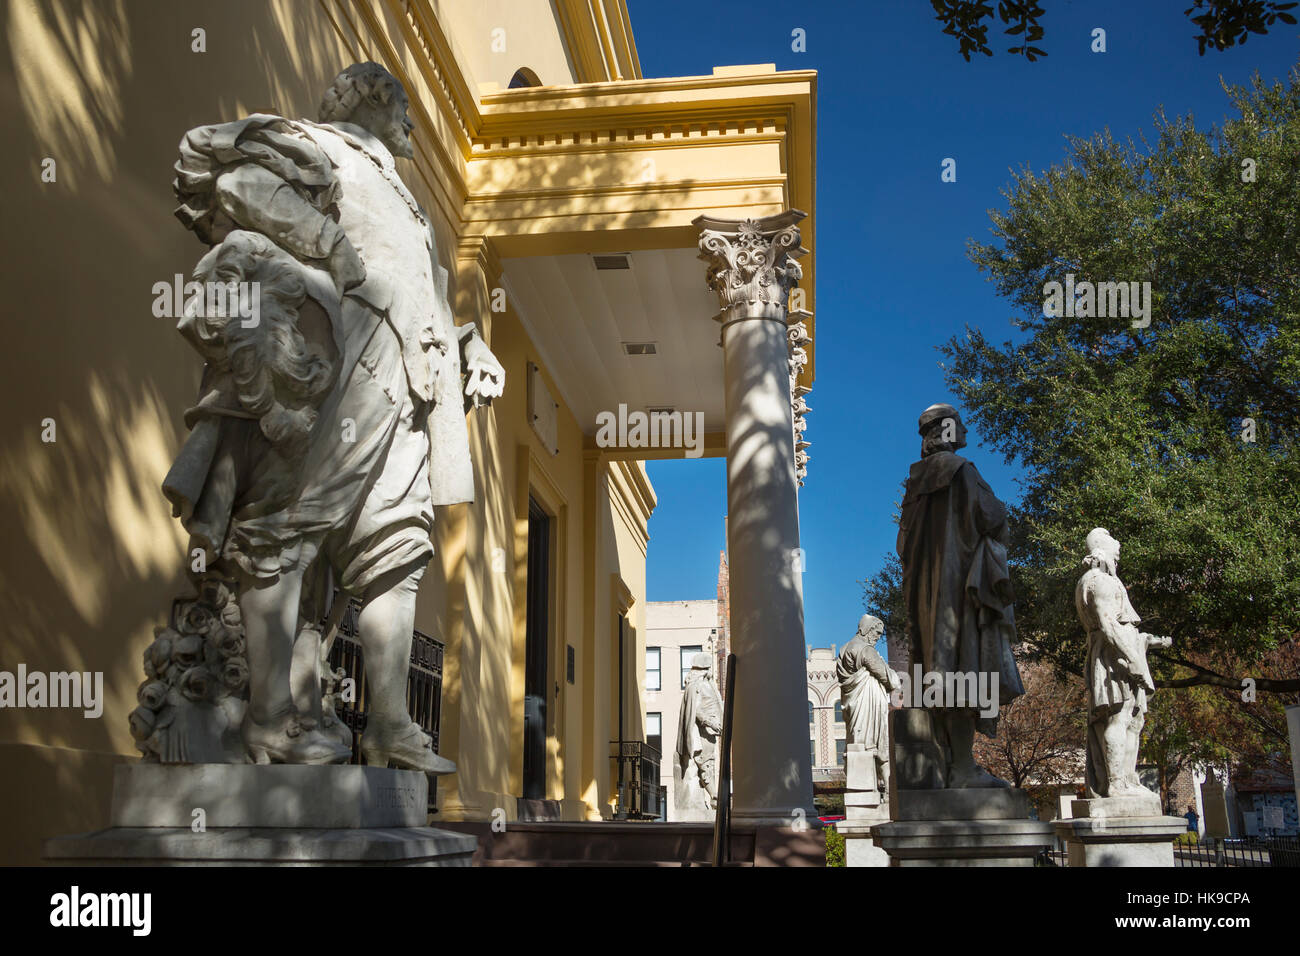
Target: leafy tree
<point>1252,728</point>
<point>1180,733</point>
<point>882,595</point>
<point>1222,23</point>
<point>1147,430</point>
<point>1041,734</point>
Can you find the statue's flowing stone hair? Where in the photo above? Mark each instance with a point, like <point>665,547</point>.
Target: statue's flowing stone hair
<point>276,375</point>
<point>353,85</point>
<point>1097,557</point>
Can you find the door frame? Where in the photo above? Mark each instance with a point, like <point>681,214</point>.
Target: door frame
<point>535,483</point>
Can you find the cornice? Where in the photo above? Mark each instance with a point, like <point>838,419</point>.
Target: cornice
<point>439,65</point>
<point>598,37</point>
<point>670,94</point>
<point>479,250</point>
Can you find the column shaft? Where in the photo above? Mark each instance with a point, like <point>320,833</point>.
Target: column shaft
<point>770,758</point>
<point>753,266</point>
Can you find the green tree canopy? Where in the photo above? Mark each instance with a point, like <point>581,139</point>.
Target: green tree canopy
<point>1148,431</point>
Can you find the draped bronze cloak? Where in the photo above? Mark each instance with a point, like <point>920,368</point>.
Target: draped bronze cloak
<point>956,584</point>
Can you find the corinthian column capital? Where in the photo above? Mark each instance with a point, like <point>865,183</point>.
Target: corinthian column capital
<point>752,263</point>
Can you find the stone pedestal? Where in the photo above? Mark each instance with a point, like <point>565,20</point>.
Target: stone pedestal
<point>690,803</point>
<point>1120,831</point>
<point>232,814</point>
<point>976,827</point>
<point>860,846</point>
<point>865,808</point>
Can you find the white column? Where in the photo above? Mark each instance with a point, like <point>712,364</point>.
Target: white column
<point>752,267</point>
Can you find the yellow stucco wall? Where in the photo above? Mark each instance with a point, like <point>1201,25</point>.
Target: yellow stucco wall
<point>92,556</point>
<point>498,37</point>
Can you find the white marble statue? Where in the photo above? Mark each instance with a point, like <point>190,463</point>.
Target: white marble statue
<point>866,682</point>
<point>1117,674</point>
<point>326,430</point>
<point>699,725</point>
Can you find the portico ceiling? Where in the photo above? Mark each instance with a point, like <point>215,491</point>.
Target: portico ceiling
<point>580,318</point>
<point>557,174</point>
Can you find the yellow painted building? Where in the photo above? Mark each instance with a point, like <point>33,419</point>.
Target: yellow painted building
<point>563,187</point>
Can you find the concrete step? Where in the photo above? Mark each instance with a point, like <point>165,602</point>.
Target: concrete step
<point>620,843</point>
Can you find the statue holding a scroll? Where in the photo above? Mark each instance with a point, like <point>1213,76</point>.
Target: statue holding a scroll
<point>866,683</point>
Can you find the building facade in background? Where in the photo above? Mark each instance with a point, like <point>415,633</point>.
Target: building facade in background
<point>675,632</point>
<point>827,732</point>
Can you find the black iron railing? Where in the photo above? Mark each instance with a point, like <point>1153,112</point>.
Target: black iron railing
<point>1272,851</point>
<point>423,684</point>
<point>1255,852</point>
<point>722,817</point>
<point>640,795</point>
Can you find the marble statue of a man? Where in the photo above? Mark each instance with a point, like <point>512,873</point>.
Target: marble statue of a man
<point>698,725</point>
<point>952,541</point>
<point>1117,676</point>
<point>866,682</point>
<point>326,431</point>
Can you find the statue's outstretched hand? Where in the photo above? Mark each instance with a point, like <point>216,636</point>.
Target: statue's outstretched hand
<point>485,379</point>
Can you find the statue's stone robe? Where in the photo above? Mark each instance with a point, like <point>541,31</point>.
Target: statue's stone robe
<point>699,723</point>
<point>956,584</point>
<point>316,190</point>
<point>1117,671</point>
<point>865,683</point>
<point>1117,662</point>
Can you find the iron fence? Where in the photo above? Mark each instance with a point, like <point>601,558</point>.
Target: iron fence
<point>1273,851</point>
<point>640,795</point>
<point>423,684</point>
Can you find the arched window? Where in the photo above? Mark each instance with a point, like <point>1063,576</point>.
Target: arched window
<point>839,713</point>
<point>810,712</point>
<point>524,77</point>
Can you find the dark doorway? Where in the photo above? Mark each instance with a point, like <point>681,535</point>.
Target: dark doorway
<point>537,634</point>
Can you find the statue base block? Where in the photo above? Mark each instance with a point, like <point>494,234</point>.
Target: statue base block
<point>971,827</point>
<point>278,814</point>
<point>1132,805</point>
<point>860,847</point>
<point>263,846</point>
<point>272,795</point>
<point>969,804</point>
<point>1107,839</point>
<point>964,842</point>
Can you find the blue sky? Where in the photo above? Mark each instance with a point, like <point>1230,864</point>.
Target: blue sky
<point>894,99</point>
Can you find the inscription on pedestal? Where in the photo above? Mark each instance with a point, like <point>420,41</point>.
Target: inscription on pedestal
<point>400,797</point>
